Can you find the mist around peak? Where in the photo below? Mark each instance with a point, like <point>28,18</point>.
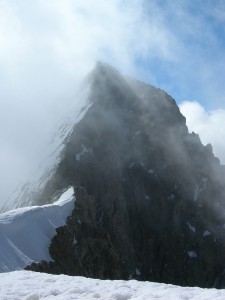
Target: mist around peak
<point>48,47</point>
<point>144,187</point>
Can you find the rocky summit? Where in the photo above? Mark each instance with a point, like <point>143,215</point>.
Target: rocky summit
<point>149,196</point>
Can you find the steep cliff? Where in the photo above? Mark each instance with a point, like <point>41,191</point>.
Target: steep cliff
<point>149,195</point>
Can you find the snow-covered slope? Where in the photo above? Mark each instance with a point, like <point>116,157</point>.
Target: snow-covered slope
<point>33,286</point>
<point>25,233</point>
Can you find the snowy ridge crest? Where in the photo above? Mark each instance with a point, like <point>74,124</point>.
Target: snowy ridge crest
<point>26,233</point>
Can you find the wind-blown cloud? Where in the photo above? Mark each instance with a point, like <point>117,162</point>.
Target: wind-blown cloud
<point>209,125</point>
<point>47,46</point>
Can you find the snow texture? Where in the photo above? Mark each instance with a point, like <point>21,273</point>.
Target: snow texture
<point>25,233</point>
<point>29,285</point>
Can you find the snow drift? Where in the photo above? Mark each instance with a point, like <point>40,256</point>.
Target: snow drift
<point>25,233</point>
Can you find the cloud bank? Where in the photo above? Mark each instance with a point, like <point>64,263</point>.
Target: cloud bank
<point>48,46</point>
<point>209,125</point>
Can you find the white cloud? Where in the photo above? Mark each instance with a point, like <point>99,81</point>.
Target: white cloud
<point>209,125</point>
<point>47,46</point>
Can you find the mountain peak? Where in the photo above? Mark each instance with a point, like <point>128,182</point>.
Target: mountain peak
<point>148,193</point>
<point>144,189</point>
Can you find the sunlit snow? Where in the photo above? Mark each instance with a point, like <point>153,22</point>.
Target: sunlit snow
<point>28,285</point>
<point>25,233</point>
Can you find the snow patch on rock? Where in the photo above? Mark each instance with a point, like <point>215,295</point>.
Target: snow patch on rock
<point>83,151</point>
<point>206,233</point>
<point>192,228</point>
<point>192,254</point>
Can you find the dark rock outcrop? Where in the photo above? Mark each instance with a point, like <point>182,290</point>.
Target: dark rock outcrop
<point>149,195</point>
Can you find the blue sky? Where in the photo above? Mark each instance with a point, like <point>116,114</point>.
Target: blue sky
<point>176,45</point>
<point>194,66</point>
<point>48,46</point>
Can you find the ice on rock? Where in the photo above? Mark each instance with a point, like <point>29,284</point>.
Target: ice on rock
<point>151,171</point>
<point>192,228</point>
<point>171,197</point>
<point>192,254</point>
<point>206,233</point>
<point>83,151</point>
<point>200,187</point>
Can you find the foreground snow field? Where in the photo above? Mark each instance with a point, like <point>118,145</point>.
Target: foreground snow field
<point>33,286</point>
<point>26,233</point>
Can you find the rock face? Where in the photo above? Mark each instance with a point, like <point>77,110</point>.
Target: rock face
<point>149,196</point>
